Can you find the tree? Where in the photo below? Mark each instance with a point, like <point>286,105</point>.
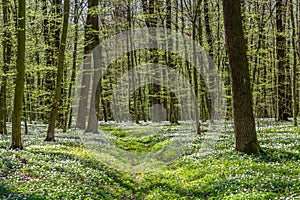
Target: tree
<point>171,63</point>
<point>210,51</point>
<point>294,89</point>
<point>281,62</point>
<point>150,9</point>
<point>68,114</point>
<point>7,53</point>
<point>244,125</point>
<point>299,30</point>
<point>296,104</point>
<point>94,22</point>
<point>51,33</point>
<point>20,79</point>
<point>60,70</point>
<point>91,40</point>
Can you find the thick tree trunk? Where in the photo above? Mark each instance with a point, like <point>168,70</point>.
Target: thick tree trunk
<point>60,70</point>
<point>93,23</point>
<point>91,27</point>
<point>20,79</point>
<point>244,125</point>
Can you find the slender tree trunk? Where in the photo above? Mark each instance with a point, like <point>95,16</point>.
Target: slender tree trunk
<point>244,125</point>
<point>294,91</point>
<point>103,102</point>
<point>171,112</point>
<point>282,62</point>
<point>195,71</point>
<point>211,80</point>
<point>298,46</point>
<point>195,78</point>
<point>299,29</point>
<point>131,64</point>
<point>151,21</point>
<point>68,114</point>
<point>49,54</point>
<point>20,79</point>
<point>156,110</point>
<point>55,27</point>
<point>60,70</point>
<point>7,53</point>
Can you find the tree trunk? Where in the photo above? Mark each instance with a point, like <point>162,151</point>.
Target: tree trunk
<point>195,77</point>
<point>68,115</point>
<point>60,70</point>
<point>296,106</point>
<point>93,22</point>
<point>299,29</point>
<point>90,28</point>
<point>49,55</point>
<point>211,80</point>
<point>294,91</point>
<point>20,79</point>
<point>282,62</point>
<point>130,62</point>
<point>244,125</point>
<point>172,112</point>
<point>7,52</point>
<point>195,71</point>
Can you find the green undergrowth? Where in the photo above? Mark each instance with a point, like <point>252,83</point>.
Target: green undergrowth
<point>139,139</point>
<point>67,170</point>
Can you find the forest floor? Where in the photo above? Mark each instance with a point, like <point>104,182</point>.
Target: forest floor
<point>70,169</point>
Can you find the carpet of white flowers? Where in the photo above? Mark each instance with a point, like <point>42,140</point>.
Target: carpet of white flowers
<point>67,169</point>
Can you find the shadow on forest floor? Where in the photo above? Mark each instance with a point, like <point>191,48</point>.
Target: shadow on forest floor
<point>6,193</point>
<point>275,155</point>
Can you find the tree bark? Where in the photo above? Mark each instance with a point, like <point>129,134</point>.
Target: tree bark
<point>49,82</point>
<point>60,70</point>
<point>149,9</point>
<point>282,62</point>
<point>209,39</point>
<point>20,79</point>
<point>7,53</point>
<point>294,91</point>
<point>68,115</point>
<point>299,29</point>
<point>91,27</point>
<point>170,61</point>
<point>244,125</point>
<point>93,22</point>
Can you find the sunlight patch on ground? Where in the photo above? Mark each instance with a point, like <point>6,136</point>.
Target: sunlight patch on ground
<point>148,146</point>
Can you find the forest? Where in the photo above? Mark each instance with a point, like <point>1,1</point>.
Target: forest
<point>149,99</point>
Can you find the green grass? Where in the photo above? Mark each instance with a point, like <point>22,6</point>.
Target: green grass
<point>138,139</point>
<point>67,170</point>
